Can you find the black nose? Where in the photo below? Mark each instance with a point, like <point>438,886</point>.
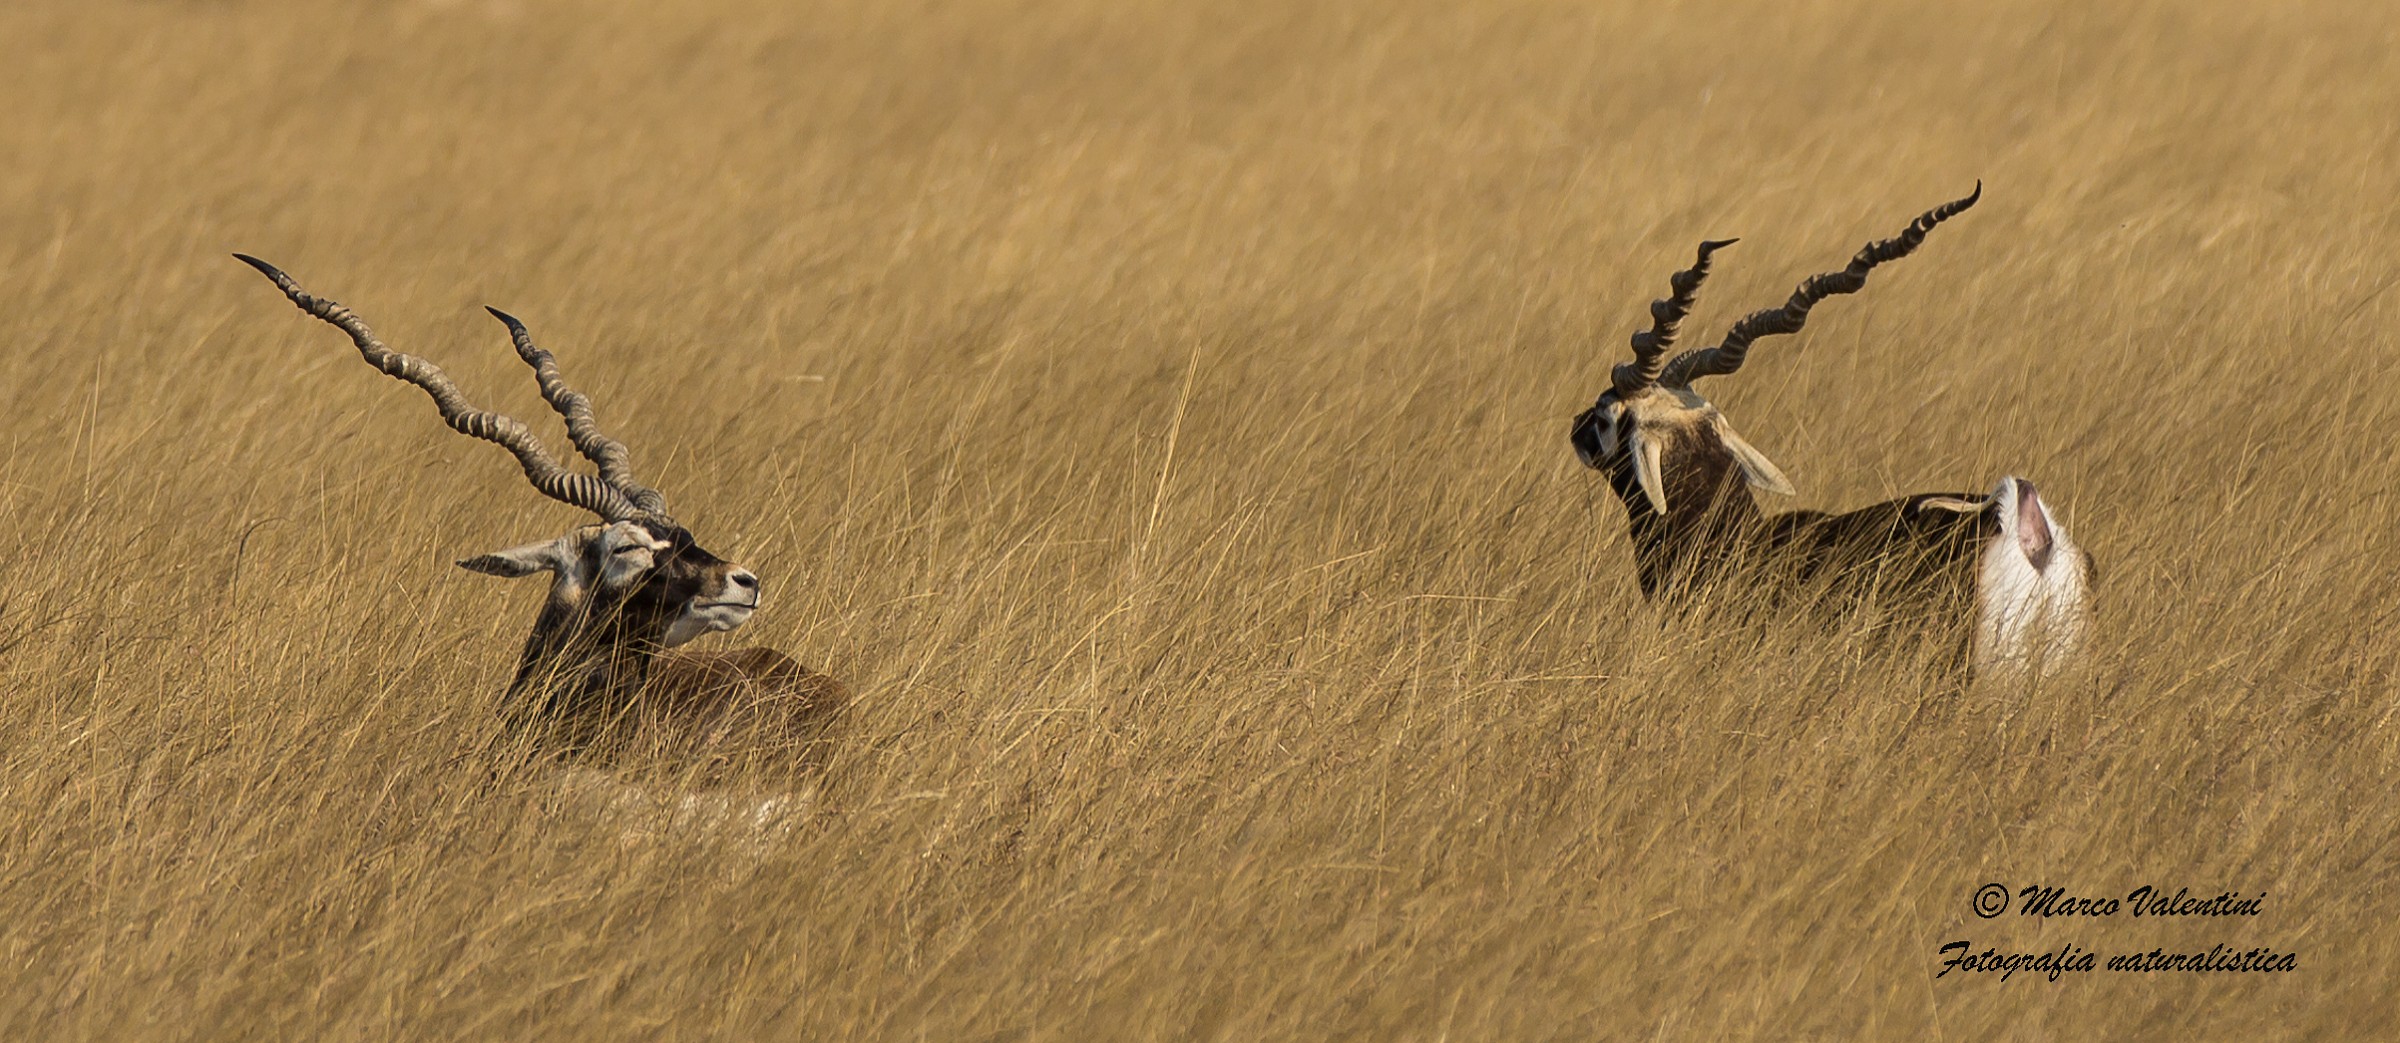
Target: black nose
<point>745,581</point>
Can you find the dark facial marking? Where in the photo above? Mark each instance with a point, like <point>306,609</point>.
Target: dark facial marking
<point>680,574</point>
<point>1591,426</point>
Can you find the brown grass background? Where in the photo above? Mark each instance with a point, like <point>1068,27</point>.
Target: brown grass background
<point>1157,411</point>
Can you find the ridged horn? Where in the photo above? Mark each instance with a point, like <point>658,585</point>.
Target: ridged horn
<point>615,463</point>
<point>1666,315</point>
<point>550,479</point>
<point>1727,356</point>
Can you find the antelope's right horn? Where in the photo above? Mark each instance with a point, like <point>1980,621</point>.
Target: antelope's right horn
<point>1727,356</point>
<point>550,479</point>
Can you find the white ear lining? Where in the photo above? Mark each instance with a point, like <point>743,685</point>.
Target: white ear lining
<point>1646,452</point>
<point>517,562</point>
<point>1760,472</point>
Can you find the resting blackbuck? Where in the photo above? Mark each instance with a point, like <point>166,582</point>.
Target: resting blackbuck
<point>601,671</point>
<point>2000,563</point>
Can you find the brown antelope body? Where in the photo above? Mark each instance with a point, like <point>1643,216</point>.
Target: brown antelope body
<point>601,674</point>
<point>2000,565</point>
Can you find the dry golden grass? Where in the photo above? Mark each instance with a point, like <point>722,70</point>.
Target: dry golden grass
<point>1157,411</point>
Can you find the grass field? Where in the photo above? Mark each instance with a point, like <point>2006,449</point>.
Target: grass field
<point>1157,413</point>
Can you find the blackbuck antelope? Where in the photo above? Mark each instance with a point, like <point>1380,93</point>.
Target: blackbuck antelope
<point>2000,564</point>
<point>598,675</point>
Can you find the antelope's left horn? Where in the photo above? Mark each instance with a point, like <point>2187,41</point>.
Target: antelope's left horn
<point>615,463</point>
<point>1666,317</point>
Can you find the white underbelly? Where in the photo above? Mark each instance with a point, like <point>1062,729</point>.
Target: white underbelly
<point>651,811</point>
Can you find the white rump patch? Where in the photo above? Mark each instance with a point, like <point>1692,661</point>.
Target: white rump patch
<point>2032,589</point>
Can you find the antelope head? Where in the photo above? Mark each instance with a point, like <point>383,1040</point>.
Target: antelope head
<point>645,579</point>
<point>1644,420</point>
<point>622,589</point>
<point>1666,450</point>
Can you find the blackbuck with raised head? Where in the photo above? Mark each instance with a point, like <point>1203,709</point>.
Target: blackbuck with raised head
<point>601,673</point>
<point>2000,565</point>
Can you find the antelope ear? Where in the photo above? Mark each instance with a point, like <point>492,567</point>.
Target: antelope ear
<point>518,561</point>
<point>1646,454</point>
<point>1760,472</point>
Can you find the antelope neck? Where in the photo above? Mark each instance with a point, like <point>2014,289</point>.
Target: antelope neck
<point>1708,506</point>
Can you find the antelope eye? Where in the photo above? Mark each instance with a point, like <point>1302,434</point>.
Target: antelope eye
<point>630,548</point>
